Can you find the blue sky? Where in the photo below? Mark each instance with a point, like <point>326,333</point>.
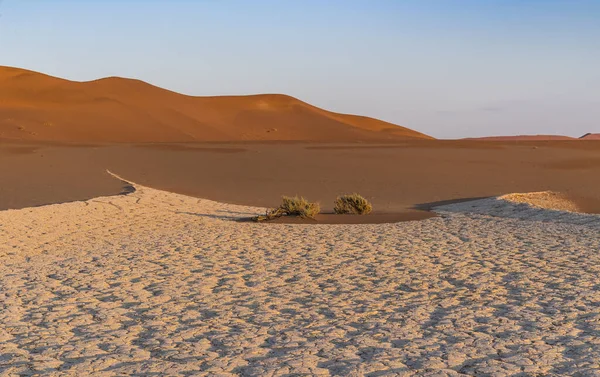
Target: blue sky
<point>448,68</point>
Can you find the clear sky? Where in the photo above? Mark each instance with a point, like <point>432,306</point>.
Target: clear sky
<point>447,68</point>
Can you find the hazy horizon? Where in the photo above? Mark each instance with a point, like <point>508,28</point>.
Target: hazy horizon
<point>447,69</point>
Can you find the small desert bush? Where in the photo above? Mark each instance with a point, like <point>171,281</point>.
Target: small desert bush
<point>352,203</point>
<point>292,206</point>
<point>298,206</point>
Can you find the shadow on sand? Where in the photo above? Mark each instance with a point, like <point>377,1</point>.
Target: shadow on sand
<point>430,206</point>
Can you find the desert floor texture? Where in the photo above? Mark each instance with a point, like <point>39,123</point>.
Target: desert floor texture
<point>157,283</point>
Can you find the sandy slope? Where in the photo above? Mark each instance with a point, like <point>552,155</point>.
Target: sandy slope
<point>588,136</point>
<point>523,138</point>
<point>155,282</point>
<point>544,199</point>
<point>394,177</point>
<point>34,106</point>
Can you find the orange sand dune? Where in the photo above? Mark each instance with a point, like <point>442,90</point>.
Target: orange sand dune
<point>34,106</point>
<point>590,136</point>
<point>523,138</point>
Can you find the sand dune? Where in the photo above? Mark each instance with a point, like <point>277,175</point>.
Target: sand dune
<point>393,176</point>
<point>523,138</point>
<point>544,199</point>
<point>34,106</point>
<point>155,283</point>
<point>590,136</point>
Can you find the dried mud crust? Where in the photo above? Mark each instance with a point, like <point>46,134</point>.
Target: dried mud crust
<point>158,283</point>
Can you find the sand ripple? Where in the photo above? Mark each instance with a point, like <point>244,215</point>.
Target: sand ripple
<point>154,283</point>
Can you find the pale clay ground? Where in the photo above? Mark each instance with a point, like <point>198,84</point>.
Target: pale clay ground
<point>159,284</point>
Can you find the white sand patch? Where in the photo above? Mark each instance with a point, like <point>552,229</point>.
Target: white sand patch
<point>155,283</point>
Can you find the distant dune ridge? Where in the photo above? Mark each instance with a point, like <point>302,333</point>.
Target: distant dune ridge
<point>588,136</point>
<point>524,137</point>
<point>34,106</point>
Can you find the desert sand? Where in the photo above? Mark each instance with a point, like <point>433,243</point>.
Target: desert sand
<point>157,283</point>
<point>400,177</point>
<point>591,136</point>
<point>34,106</point>
<point>587,136</point>
<point>523,138</point>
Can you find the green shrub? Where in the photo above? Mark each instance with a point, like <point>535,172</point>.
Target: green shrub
<point>352,203</point>
<point>292,206</point>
